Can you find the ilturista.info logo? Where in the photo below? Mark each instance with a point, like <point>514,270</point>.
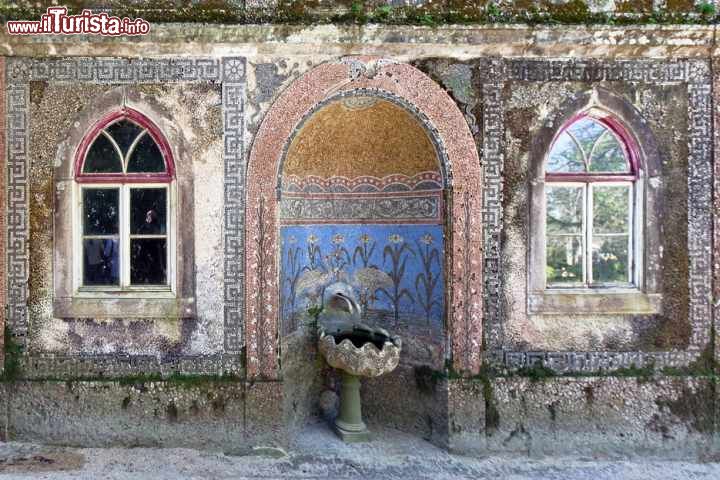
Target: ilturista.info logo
<point>57,22</point>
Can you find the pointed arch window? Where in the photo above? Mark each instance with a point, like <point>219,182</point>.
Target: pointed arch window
<point>591,207</point>
<point>124,174</point>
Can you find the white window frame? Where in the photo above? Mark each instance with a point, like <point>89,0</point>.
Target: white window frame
<point>125,289</point>
<point>634,235</point>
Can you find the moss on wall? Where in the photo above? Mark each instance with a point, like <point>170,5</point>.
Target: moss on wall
<point>377,11</point>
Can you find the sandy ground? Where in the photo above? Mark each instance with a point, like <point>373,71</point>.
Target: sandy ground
<point>318,454</point>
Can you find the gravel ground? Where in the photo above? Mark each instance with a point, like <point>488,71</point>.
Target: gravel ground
<point>318,454</point>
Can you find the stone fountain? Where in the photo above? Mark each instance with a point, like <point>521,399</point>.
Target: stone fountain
<point>357,351</point>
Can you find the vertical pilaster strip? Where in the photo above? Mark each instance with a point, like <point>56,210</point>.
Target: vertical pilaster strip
<point>17,208</point>
<point>716,203</point>
<point>700,211</point>
<point>492,164</point>
<point>3,161</point>
<point>233,95</point>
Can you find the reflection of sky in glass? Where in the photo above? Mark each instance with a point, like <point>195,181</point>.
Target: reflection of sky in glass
<point>565,156</point>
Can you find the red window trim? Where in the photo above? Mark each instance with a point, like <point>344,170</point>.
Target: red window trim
<point>153,131</point>
<point>627,141</point>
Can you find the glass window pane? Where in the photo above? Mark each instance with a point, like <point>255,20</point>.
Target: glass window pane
<point>610,259</point>
<point>611,208</point>
<point>564,259</point>
<point>148,261</point>
<point>100,211</point>
<point>564,209</point>
<point>565,156</point>
<point>124,133</point>
<point>148,211</point>
<point>146,157</point>
<point>608,155</point>
<point>102,157</point>
<point>586,131</point>
<point>100,262</point>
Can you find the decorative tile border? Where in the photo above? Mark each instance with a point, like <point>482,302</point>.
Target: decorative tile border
<point>645,71</point>
<point>233,95</point>
<point>113,70</point>
<point>492,213</point>
<point>697,75</point>
<point>593,362</point>
<point>387,209</point>
<point>72,367</point>
<point>21,71</point>
<point>18,103</point>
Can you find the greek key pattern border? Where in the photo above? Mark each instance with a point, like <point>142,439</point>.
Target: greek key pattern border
<point>20,71</point>
<point>697,75</point>
<point>113,70</point>
<point>492,213</point>
<point>17,254</point>
<point>73,367</point>
<point>233,98</point>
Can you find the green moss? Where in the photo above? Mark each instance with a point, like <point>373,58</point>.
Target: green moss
<point>448,12</point>
<point>11,370</point>
<point>536,373</point>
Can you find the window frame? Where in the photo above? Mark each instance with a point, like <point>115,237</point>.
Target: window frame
<point>586,180</point>
<point>124,182</point>
<point>644,295</point>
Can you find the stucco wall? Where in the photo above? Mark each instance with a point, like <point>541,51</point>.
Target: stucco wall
<point>505,82</point>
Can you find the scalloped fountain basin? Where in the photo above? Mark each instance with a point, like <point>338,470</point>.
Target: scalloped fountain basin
<point>357,352</point>
<point>362,352</point>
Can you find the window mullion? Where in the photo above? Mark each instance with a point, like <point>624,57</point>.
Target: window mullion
<point>125,240</point>
<point>587,230</point>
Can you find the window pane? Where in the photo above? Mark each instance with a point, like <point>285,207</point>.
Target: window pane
<point>610,259</point>
<point>611,208</point>
<point>148,261</point>
<point>100,261</point>
<point>564,259</point>
<point>586,131</point>
<point>564,209</point>
<point>146,158</point>
<point>608,155</point>
<point>565,156</point>
<point>148,211</point>
<point>124,133</point>
<point>102,157</point>
<point>100,211</point>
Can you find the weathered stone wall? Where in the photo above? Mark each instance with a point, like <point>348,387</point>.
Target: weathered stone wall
<point>103,379</point>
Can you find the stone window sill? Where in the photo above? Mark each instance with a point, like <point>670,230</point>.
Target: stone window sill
<point>105,306</point>
<point>598,302</point>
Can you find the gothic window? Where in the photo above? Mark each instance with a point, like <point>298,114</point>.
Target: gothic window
<point>590,206</point>
<point>124,177</point>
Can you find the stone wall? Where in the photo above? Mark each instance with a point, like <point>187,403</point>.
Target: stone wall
<point>217,363</point>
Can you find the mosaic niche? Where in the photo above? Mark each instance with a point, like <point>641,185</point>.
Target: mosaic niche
<point>362,212</point>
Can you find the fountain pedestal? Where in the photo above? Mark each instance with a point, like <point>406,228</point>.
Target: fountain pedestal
<point>349,425</point>
<point>358,352</point>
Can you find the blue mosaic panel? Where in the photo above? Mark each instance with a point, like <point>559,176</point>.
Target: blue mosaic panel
<point>395,272</point>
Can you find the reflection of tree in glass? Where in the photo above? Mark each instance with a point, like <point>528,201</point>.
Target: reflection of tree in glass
<point>610,260</point>
<point>607,155</point>
<point>564,210</point>
<point>564,259</point>
<point>587,146</point>
<point>610,209</point>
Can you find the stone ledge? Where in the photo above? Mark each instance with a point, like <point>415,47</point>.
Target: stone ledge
<point>597,303</point>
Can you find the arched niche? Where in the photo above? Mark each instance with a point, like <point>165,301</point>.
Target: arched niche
<point>362,212</point>
<point>431,116</point>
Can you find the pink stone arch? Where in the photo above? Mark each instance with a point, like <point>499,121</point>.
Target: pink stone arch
<point>464,262</point>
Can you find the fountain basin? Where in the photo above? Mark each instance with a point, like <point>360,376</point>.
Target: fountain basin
<point>362,351</point>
